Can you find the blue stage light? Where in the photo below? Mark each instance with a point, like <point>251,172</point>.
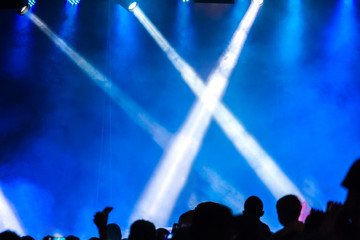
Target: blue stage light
<point>74,2</point>
<point>31,3</point>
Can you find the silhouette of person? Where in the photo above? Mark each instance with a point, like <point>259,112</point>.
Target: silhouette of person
<point>253,211</point>
<point>142,230</point>
<point>211,221</point>
<point>348,219</point>
<point>185,220</point>
<point>27,237</point>
<point>288,209</point>
<point>181,230</point>
<point>114,231</point>
<point>9,235</point>
<point>162,233</point>
<point>352,184</point>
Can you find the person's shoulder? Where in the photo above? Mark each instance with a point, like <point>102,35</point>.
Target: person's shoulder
<point>264,229</point>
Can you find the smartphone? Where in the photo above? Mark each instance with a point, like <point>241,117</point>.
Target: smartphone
<point>107,210</point>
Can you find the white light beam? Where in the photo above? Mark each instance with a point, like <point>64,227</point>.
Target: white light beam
<point>160,135</point>
<point>161,193</point>
<point>8,219</point>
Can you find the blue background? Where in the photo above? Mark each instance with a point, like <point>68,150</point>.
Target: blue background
<point>67,150</point>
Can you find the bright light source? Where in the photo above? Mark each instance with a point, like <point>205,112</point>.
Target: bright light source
<point>22,11</point>
<point>132,6</point>
<point>159,134</point>
<point>74,2</point>
<point>31,3</point>
<point>129,5</point>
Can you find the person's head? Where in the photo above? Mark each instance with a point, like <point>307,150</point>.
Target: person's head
<point>352,184</point>
<point>142,230</point>
<point>47,237</point>
<point>9,235</point>
<point>253,207</point>
<point>314,221</point>
<point>114,231</point>
<point>162,233</point>
<point>185,220</point>
<point>211,221</point>
<point>27,237</point>
<point>288,209</point>
<point>72,237</point>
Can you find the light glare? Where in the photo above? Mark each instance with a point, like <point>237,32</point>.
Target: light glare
<point>132,6</point>
<point>31,3</point>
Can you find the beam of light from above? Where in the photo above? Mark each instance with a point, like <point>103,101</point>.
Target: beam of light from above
<point>291,44</point>
<point>160,135</point>
<point>8,219</point>
<point>74,2</point>
<point>264,166</point>
<point>344,21</point>
<point>162,191</point>
<point>70,13</point>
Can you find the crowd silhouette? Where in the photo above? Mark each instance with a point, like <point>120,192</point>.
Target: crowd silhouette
<point>213,221</point>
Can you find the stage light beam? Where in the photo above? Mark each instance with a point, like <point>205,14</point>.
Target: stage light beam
<point>163,189</point>
<point>159,134</point>
<point>161,193</point>
<point>8,219</point>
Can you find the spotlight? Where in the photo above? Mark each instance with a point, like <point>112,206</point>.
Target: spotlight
<point>132,6</point>
<point>31,3</point>
<point>74,2</point>
<point>23,10</point>
<point>20,6</point>
<point>129,5</point>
